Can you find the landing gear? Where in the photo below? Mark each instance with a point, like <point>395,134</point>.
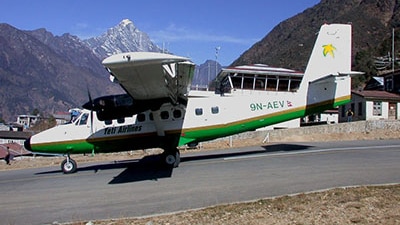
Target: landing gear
<point>171,158</point>
<point>68,165</point>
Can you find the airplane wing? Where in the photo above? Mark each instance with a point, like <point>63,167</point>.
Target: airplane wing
<point>150,75</point>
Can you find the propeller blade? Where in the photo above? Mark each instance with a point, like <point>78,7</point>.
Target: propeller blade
<point>91,104</point>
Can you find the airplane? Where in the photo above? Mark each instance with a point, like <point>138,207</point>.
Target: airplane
<point>159,111</point>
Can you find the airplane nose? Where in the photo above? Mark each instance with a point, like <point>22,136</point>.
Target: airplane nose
<point>27,144</point>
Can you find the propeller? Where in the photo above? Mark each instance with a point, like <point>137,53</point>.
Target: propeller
<point>91,110</point>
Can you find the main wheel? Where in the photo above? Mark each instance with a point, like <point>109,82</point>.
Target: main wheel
<point>172,158</point>
<point>68,166</point>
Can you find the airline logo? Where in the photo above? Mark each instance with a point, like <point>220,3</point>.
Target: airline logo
<point>329,50</point>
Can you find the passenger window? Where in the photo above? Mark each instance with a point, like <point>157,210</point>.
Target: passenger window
<point>215,110</point>
<point>164,115</point>
<point>177,113</point>
<point>141,117</point>
<point>108,122</point>
<point>121,120</point>
<point>199,111</point>
<point>151,116</point>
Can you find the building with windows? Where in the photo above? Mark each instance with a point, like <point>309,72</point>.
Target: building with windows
<point>380,99</point>
<point>27,120</point>
<point>251,79</point>
<point>372,105</point>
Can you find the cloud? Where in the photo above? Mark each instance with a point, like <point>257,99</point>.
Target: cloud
<point>81,26</point>
<point>85,31</point>
<point>172,33</point>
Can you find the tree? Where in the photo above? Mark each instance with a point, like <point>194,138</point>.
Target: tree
<point>364,62</point>
<point>35,112</point>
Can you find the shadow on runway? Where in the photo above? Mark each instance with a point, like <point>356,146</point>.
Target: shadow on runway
<point>286,147</point>
<point>149,168</point>
<point>252,151</point>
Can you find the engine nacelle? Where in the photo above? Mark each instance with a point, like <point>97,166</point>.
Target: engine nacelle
<point>120,106</point>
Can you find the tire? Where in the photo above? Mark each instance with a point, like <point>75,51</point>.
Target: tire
<point>68,166</point>
<point>172,158</point>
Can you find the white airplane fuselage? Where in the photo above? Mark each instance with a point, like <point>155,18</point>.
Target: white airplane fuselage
<point>207,116</point>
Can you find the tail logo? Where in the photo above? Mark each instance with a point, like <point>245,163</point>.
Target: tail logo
<point>329,50</point>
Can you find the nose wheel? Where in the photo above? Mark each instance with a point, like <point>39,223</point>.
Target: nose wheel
<point>68,165</point>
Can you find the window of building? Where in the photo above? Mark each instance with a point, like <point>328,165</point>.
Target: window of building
<point>237,82</point>
<point>248,83</point>
<point>199,111</point>
<point>272,83</point>
<point>377,110</point>
<point>260,83</point>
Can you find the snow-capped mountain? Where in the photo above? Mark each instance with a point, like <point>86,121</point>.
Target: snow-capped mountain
<point>124,37</point>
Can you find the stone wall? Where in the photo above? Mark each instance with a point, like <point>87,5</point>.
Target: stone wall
<point>359,130</point>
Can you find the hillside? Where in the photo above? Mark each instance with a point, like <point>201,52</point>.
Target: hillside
<point>46,72</point>
<point>290,43</point>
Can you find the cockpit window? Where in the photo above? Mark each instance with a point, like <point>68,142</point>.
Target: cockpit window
<point>84,118</point>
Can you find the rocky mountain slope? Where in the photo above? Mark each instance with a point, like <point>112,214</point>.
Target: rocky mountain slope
<point>124,37</point>
<point>35,75</point>
<point>290,43</point>
<point>54,73</point>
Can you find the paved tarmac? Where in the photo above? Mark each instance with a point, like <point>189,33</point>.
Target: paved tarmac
<point>140,188</point>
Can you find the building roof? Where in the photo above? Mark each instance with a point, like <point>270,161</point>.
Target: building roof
<point>260,69</point>
<point>378,95</point>
<point>18,135</point>
<point>15,150</point>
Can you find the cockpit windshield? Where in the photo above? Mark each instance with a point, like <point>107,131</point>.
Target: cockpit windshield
<point>83,119</point>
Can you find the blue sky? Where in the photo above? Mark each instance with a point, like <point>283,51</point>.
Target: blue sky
<point>187,28</point>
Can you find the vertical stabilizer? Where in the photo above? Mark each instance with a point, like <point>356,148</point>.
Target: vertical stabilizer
<point>331,54</point>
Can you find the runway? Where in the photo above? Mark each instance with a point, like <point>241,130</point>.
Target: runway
<point>140,188</point>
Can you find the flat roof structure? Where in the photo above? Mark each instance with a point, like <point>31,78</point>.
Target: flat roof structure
<point>259,77</point>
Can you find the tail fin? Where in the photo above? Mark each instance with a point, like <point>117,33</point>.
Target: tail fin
<point>331,54</point>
